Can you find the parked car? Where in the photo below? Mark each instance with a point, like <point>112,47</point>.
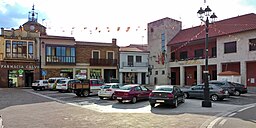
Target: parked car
<point>197,91</point>
<point>52,82</point>
<point>65,85</point>
<point>132,93</point>
<point>239,88</point>
<point>40,84</point>
<point>225,85</point>
<point>166,94</point>
<point>107,90</point>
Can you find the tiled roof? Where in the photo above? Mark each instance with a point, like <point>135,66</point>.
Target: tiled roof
<point>134,48</point>
<point>57,37</point>
<point>95,43</point>
<point>224,27</point>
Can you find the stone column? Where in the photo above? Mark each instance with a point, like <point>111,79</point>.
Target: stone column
<point>121,77</point>
<point>139,77</point>
<point>219,68</point>
<point>182,76</point>
<point>243,72</point>
<point>199,74</point>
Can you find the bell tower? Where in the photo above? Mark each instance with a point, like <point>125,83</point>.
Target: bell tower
<point>32,15</point>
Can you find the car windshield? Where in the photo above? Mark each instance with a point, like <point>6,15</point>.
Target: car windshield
<point>126,87</point>
<point>163,89</point>
<point>106,86</point>
<point>51,80</point>
<point>37,81</point>
<point>62,81</point>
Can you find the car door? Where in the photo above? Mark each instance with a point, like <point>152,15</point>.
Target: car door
<point>179,93</point>
<point>145,92</point>
<point>196,91</point>
<point>138,92</point>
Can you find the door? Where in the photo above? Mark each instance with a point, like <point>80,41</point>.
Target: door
<point>29,77</point>
<point>173,78</point>
<point>143,78</point>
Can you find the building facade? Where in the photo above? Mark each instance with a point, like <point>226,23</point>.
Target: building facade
<point>133,64</point>
<point>232,47</point>
<point>160,32</point>
<point>19,55</point>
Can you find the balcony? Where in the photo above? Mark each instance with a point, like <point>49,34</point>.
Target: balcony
<point>103,62</point>
<point>61,60</point>
<point>131,64</point>
<point>190,58</point>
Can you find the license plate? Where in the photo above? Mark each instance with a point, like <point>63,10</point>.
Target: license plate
<point>119,98</point>
<point>160,101</point>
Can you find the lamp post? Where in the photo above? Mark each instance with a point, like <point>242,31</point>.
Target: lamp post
<point>207,12</point>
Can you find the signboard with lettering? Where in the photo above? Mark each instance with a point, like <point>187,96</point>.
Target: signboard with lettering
<point>19,66</point>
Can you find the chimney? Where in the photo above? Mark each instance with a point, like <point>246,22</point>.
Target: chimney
<point>114,41</point>
<point>2,31</point>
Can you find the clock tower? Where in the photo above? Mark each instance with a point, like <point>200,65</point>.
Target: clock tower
<point>32,25</point>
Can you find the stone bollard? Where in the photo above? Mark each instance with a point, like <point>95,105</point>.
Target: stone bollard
<point>1,122</point>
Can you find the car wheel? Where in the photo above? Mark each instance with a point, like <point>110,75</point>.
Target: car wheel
<point>175,105</point>
<point>35,89</point>
<point>120,101</point>
<point>113,96</point>
<point>186,95</point>
<point>237,93</point>
<point>214,97</point>
<point>101,97</point>
<point>134,100</point>
<point>43,88</point>
<point>152,105</point>
<point>183,99</point>
<point>85,93</point>
<point>78,94</point>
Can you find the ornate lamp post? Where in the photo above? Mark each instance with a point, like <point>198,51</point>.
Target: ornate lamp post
<point>201,13</point>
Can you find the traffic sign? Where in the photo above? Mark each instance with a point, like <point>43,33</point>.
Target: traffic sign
<point>44,73</point>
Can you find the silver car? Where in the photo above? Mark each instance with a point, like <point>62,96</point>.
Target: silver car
<point>197,91</point>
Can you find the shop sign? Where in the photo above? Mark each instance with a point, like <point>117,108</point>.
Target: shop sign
<point>19,66</point>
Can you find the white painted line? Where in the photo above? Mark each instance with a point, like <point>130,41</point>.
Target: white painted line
<point>232,114</point>
<point>246,108</point>
<point>214,122</point>
<point>223,122</point>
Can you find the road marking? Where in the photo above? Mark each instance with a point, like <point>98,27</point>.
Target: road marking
<point>222,122</point>
<point>214,122</point>
<point>232,114</point>
<point>246,108</point>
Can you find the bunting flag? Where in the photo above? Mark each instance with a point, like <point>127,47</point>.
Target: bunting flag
<point>118,28</point>
<point>128,28</point>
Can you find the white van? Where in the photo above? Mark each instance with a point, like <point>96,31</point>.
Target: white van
<point>52,82</point>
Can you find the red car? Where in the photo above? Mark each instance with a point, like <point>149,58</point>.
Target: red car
<point>132,93</point>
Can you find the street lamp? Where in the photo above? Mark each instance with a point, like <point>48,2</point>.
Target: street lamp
<point>201,13</point>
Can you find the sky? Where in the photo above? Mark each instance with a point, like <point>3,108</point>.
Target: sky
<point>98,20</point>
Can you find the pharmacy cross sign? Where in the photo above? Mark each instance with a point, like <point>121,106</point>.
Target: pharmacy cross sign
<point>20,71</point>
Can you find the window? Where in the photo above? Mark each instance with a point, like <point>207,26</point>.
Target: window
<point>144,88</point>
<point>163,42</point>
<point>163,72</point>
<point>199,53</point>
<point>137,88</point>
<point>8,48</point>
<point>138,59</point>
<point>110,55</point>
<point>60,54</point>
<point>30,50</point>
<point>230,47</point>
<point>156,72</point>
<point>183,55</point>
<point>173,56</point>
<point>214,52</point>
<point>252,44</point>
<point>95,54</point>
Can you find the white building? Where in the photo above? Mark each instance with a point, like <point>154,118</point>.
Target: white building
<point>133,66</point>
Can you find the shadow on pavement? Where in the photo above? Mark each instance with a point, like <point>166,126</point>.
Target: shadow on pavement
<point>129,105</point>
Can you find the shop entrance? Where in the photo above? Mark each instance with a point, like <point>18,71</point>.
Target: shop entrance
<point>12,78</point>
<point>29,77</point>
<point>109,74</point>
<point>68,73</point>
